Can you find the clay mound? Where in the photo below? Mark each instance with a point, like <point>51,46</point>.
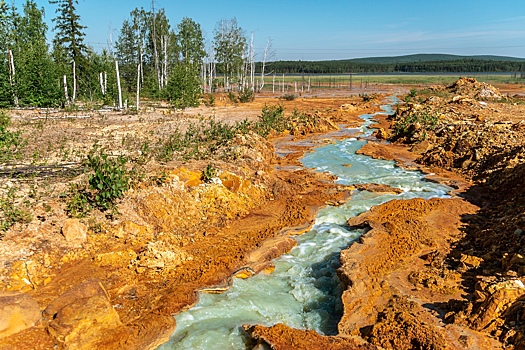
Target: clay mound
<point>472,88</point>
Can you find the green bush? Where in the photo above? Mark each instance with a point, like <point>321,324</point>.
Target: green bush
<point>287,97</point>
<point>209,100</point>
<point>200,141</point>
<point>414,126</point>
<point>246,95</point>
<point>109,179</point>
<point>272,117</point>
<point>232,97</point>
<point>78,204</point>
<point>208,173</point>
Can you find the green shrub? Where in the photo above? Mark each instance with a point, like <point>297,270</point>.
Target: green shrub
<point>414,126</point>
<point>200,141</point>
<point>209,100</point>
<point>272,117</point>
<point>78,204</point>
<point>208,173</point>
<point>232,97</point>
<point>246,95</point>
<point>109,179</point>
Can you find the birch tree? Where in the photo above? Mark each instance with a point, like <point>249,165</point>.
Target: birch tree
<point>162,42</point>
<point>131,47</point>
<point>268,53</point>
<point>229,46</point>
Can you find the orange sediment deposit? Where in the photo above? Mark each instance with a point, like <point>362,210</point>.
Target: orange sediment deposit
<point>116,282</point>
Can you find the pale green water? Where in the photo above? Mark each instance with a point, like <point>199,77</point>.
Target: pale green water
<point>304,291</point>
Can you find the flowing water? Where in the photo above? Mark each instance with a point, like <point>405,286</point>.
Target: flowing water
<point>304,291</point>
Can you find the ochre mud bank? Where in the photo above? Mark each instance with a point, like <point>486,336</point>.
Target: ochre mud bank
<point>79,284</point>
<point>443,273</point>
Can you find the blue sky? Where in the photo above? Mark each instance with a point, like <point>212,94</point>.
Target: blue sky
<point>335,29</point>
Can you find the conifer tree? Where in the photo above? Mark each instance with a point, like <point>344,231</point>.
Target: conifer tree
<point>69,38</point>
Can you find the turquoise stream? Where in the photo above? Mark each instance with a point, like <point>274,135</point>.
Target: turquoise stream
<point>304,291</point>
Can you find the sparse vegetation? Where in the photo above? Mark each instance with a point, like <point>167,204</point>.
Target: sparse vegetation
<point>109,179</point>
<point>246,95</point>
<point>10,141</point>
<point>11,211</point>
<point>287,97</point>
<point>208,173</point>
<point>414,126</point>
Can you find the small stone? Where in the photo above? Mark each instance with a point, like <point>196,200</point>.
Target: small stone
<point>18,311</point>
<point>74,231</point>
<point>466,341</point>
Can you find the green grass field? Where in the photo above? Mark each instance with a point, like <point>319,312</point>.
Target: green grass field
<point>343,80</point>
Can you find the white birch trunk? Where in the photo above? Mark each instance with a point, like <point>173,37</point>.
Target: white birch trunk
<point>283,83</point>
<point>12,76</point>
<point>138,86</point>
<point>252,64</point>
<point>74,82</point>
<point>155,52</point>
<point>165,62</point>
<point>101,81</point>
<point>65,90</point>
<point>105,82</point>
<point>118,86</point>
<point>273,84</point>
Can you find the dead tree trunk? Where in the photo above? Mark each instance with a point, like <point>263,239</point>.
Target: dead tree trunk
<point>12,76</point>
<point>65,90</point>
<point>138,86</point>
<point>74,82</point>
<point>101,81</point>
<point>155,52</point>
<point>118,86</point>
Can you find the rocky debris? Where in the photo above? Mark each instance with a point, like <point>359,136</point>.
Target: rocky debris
<point>81,317</point>
<point>18,311</point>
<point>282,337</point>
<point>159,255</point>
<point>75,232</point>
<point>400,327</point>
<point>373,187</point>
<point>472,88</point>
<point>493,298</point>
<point>380,134</point>
<point>483,141</point>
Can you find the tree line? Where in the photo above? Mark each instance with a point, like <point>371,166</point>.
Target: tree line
<point>351,66</point>
<point>150,58</point>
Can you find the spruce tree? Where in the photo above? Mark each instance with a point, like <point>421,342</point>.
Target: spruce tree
<point>69,38</point>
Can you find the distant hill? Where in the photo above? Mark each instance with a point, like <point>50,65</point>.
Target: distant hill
<point>432,57</point>
<point>419,63</point>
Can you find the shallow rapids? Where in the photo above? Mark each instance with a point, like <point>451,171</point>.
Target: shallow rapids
<point>303,292</point>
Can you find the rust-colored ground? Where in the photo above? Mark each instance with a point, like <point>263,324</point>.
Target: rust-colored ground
<point>119,286</point>
<point>437,274</point>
